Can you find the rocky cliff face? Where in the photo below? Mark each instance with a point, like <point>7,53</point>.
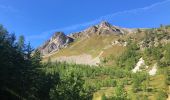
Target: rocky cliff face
<point>58,40</point>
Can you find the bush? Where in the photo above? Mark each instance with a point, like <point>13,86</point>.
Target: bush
<point>138,78</point>
<point>103,97</point>
<point>120,93</point>
<point>161,95</point>
<point>69,88</point>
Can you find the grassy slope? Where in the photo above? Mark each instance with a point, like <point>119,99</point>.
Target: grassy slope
<point>92,46</point>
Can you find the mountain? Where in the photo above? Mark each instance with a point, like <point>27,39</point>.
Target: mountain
<point>87,46</point>
<point>60,40</point>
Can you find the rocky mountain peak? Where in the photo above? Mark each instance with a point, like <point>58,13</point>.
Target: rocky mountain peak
<point>58,35</point>
<point>104,28</point>
<point>105,24</point>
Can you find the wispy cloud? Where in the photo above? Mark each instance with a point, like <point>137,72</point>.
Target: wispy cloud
<point>93,22</point>
<point>8,8</point>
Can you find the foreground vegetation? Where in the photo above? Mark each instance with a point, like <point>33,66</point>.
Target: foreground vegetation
<point>23,76</point>
<point>115,83</point>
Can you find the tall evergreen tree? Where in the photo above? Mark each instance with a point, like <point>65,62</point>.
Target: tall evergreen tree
<point>21,42</point>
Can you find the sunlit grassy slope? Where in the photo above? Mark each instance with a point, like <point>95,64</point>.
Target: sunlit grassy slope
<point>93,46</point>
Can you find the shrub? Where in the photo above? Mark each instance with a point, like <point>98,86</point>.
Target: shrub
<point>161,95</point>
<point>103,97</point>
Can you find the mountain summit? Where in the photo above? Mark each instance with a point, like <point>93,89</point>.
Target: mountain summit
<point>105,24</point>
<point>104,28</point>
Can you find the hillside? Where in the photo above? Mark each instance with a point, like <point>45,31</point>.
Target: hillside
<point>92,45</point>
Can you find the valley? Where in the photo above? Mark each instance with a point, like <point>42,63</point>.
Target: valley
<point>84,50</point>
<point>118,65</point>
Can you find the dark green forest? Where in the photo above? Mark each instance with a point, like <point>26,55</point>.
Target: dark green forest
<point>22,76</point>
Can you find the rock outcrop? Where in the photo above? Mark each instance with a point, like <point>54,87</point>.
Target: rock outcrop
<point>153,71</point>
<point>119,43</point>
<point>58,40</point>
<point>139,66</point>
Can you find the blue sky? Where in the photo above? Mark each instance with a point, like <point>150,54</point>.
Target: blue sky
<point>37,20</point>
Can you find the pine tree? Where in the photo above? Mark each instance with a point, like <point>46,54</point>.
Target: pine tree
<point>36,58</point>
<point>21,43</point>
